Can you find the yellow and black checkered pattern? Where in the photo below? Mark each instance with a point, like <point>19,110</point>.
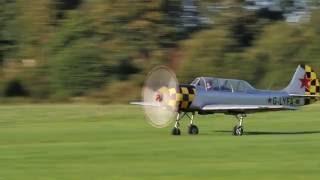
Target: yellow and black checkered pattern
<point>181,97</point>
<point>314,88</point>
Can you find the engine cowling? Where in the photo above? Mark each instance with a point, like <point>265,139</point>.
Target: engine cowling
<point>181,98</point>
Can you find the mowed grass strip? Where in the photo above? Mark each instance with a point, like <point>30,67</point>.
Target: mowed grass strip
<point>48,142</point>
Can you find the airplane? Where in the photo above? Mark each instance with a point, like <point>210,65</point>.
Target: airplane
<point>164,98</point>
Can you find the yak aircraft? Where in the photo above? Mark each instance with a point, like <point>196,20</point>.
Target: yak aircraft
<point>164,98</point>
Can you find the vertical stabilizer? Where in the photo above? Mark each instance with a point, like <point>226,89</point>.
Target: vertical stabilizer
<point>305,84</point>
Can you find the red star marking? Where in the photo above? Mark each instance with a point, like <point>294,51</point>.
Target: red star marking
<point>305,82</point>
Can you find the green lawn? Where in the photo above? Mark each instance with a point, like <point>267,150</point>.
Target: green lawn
<point>89,142</point>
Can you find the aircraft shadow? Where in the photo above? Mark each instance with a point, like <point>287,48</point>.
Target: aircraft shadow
<point>274,133</point>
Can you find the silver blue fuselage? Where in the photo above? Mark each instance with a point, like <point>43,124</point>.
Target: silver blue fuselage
<point>253,97</point>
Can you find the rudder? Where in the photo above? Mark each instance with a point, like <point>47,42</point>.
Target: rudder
<point>305,83</point>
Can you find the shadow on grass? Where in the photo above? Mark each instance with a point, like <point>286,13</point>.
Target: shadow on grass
<point>274,133</point>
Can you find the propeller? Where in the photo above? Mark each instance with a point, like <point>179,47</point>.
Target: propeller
<point>158,91</point>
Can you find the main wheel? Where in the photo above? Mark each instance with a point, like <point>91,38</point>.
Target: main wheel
<point>193,130</point>
<point>175,131</point>
<point>238,130</point>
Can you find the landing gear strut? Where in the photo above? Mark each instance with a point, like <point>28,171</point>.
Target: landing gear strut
<point>238,129</point>
<point>192,129</point>
<point>176,130</point>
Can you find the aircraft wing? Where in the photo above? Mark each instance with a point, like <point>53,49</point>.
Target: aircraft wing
<point>245,108</point>
<point>146,104</point>
<point>304,96</point>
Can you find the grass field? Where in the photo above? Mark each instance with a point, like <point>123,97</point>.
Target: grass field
<point>65,142</point>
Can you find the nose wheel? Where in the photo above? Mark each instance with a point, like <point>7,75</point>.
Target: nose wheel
<point>238,129</point>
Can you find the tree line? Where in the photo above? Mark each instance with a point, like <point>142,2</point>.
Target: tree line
<point>101,50</point>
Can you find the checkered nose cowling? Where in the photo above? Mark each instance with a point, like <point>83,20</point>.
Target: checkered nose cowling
<point>181,97</point>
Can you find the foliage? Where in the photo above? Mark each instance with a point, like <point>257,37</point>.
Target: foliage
<point>82,47</point>
<point>77,69</point>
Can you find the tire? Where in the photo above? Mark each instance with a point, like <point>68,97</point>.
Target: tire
<point>176,131</point>
<point>193,130</point>
<point>238,131</point>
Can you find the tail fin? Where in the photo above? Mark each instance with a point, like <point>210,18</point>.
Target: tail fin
<point>305,84</point>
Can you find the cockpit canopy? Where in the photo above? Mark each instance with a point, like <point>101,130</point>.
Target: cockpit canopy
<point>225,85</point>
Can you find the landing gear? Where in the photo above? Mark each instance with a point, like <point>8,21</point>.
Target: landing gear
<point>176,131</point>
<point>238,129</point>
<point>192,129</point>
